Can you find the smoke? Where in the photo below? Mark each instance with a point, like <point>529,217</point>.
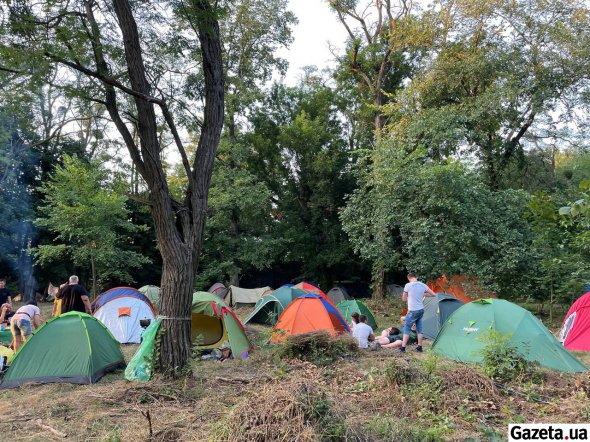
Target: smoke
<point>18,163</point>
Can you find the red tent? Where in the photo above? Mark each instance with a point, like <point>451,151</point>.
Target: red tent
<point>575,331</point>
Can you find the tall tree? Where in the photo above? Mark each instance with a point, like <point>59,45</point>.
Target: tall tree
<point>301,155</point>
<point>439,219</point>
<point>384,39</point>
<point>86,209</point>
<point>131,59</point>
<point>503,75</point>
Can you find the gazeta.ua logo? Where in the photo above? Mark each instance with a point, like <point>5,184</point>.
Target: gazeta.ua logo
<point>548,432</point>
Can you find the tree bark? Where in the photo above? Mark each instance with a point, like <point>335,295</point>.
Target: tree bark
<point>179,226</point>
<point>379,283</point>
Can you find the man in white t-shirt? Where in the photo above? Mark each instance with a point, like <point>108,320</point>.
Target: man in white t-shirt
<point>414,293</point>
<point>363,332</point>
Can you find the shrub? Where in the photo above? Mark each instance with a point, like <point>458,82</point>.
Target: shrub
<point>501,359</point>
<point>319,348</point>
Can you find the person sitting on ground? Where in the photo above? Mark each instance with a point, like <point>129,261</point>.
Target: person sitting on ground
<point>74,297</point>
<point>21,322</point>
<point>6,314</point>
<point>393,337</point>
<point>354,320</point>
<point>363,332</point>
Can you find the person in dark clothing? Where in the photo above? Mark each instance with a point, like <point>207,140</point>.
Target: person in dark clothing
<point>4,293</point>
<point>74,297</point>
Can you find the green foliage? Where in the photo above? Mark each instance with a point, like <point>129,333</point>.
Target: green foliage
<point>299,152</point>
<point>501,360</point>
<point>439,219</point>
<point>318,347</point>
<point>85,208</point>
<point>561,244</point>
<point>482,89</point>
<point>239,234</point>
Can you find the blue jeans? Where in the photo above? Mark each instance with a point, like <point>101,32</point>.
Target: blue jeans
<point>413,317</point>
<point>21,327</point>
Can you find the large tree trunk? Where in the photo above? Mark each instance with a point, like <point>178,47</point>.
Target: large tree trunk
<point>179,225</point>
<point>178,275</point>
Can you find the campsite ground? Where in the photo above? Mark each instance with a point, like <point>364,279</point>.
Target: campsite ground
<point>367,396</point>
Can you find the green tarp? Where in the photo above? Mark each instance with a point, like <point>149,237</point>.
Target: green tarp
<point>74,348</point>
<point>354,305</point>
<point>462,337</point>
<point>212,322</point>
<point>268,309</point>
<point>141,366</point>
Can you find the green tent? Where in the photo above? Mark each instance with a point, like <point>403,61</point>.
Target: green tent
<point>268,309</point>
<point>462,337</point>
<point>354,305</point>
<point>74,348</point>
<point>6,336</point>
<point>153,294</point>
<point>213,323</point>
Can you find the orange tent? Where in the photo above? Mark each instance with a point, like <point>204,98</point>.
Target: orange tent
<point>465,288</point>
<point>310,288</point>
<point>309,313</point>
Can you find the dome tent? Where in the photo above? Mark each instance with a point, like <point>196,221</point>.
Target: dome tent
<point>308,313</point>
<point>213,323</point>
<point>347,308</point>
<point>437,310</point>
<point>152,292</point>
<point>237,295</point>
<point>219,289</point>
<point>120,309</point>
<point>462,337</point>
<point>73,348</point>
<point>270,307</point>
<point>575,331</point>
<point>338,294</point>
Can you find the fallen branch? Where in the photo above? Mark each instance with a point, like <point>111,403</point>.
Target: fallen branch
<point>40,424</point>
<point>233,380</point>
<point>149,419</point>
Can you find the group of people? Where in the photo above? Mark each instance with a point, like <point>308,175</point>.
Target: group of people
<point>411,324</point>
<point>71,297</point>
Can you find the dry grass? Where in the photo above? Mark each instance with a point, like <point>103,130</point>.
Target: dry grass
<point>369,396</point>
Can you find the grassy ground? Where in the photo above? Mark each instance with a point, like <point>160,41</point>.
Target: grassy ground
<point>365,396</point>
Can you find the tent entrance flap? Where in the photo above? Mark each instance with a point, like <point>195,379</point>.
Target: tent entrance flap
<point>209,329</point>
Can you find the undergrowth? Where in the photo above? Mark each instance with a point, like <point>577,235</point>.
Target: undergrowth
<point>502,360</point>
<point>319,348</point>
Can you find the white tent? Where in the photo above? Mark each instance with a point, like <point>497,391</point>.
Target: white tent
<point>120,310</point>
<point>237,295</point>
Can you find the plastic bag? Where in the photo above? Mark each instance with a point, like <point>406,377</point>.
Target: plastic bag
<point>141,366</point>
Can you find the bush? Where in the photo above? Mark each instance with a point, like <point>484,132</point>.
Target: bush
<point>319,348</point>
<point>501,359</point>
